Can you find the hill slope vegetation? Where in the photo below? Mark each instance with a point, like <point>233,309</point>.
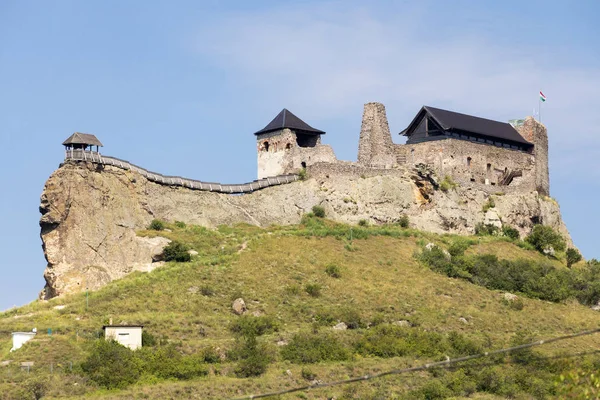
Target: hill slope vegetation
<point>401,300</point>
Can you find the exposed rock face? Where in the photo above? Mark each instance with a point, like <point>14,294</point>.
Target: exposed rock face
<point>90,213</point>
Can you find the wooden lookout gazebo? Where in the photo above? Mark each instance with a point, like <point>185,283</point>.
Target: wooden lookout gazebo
<point>82,142</point>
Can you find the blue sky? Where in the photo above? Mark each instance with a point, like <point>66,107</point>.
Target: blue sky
<point>179,88</point>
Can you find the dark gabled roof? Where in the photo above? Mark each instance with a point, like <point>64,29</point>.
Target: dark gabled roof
<point>450,120</point>
<point>285,119</point>
<point>82,138</point>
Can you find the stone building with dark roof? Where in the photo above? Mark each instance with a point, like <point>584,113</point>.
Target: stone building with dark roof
<point>466,148</point>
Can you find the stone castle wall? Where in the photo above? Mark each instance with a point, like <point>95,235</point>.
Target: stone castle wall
<point>279,153</point>
<point>466,161</point>
<point>375,146</point>
<point>537,134</point>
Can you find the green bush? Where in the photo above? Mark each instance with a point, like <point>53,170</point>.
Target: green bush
<point>313,289</point>
<point>318,211</point>
<point>148,340</point>
<point>511,232</point>
<point>308,348</point>
<point>308,374</point>
<point>543,237</point>
<point>333,271</point>
<point>168,363</point>
<point>176,251</point>
<point>302,174</point>
<point>573,256</point>
<point>486,229</point>
<point>363,222</point>
<point>210,355</point>
<point>404,221</point>
<point>248,325</point>
<point>253,358</point>
<point>447,184</point>
<point>180,224</point>
<point>156,225</point>
<point>458,247</point>
<point>111,365</point>
<point>490,203</point>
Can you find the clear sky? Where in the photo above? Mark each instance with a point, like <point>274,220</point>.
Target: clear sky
<point>179,88</point>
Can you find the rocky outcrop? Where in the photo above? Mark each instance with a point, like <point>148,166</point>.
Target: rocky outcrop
<point>90,213</point>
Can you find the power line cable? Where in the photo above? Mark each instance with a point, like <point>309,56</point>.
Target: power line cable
<point>420,367</point>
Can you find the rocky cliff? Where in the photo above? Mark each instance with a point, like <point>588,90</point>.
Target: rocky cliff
<point>90,213</point>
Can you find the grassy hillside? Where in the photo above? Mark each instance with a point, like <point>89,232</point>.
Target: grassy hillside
<point>301,281</point>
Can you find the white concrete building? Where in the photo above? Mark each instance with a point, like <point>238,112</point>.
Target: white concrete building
<point>127,335</point>
<point>19,339</point>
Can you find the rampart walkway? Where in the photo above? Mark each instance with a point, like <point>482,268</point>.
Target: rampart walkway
<point>91,156</point>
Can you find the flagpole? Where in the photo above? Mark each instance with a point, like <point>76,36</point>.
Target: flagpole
<point>540,106</point>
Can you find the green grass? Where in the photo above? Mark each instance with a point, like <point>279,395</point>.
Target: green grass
<point>381,283</point>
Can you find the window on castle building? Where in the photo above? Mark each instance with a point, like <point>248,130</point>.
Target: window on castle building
<point>288,146</point>
<point>489,167</point>
<point>469,162</point>
<point>266,146</point>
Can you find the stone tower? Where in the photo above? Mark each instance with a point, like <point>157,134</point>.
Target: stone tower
<point>288,144</point>
<point>536,133</point>
<point>375,147</point>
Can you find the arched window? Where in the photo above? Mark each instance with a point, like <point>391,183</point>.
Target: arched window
<point>266,146</point>
<point>469,162</point>
<point>288,146</point>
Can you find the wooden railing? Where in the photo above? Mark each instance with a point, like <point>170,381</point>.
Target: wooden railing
<point>94,157</point>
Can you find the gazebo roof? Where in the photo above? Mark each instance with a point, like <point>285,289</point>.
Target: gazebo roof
<point>82,138</point>
<point>285,119</point>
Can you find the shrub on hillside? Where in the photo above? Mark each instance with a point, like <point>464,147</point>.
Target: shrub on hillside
<point>511,232</point>
<point>318,211</point>
<point>148,339</point>
<point>447,184</point>
<point>308,348</point>
<point>176,251</point>
<point>333,271</point>
<point>543,237</point>
<point>156,225</point>
<point>573,256</point>
<point>111,365</point>
<point>490,203</point>
<point>248,325</point>
<point>313,289</point>
<point>168,363</point>
<point>404,221</point>
<point>482,229</point>
<point>253,357</point>
<point>363,222</point>
<point>180,224</point>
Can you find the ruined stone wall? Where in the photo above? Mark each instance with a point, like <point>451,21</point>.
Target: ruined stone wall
<point>375,147</point>
<point>279,153</point>
<point>536,133</point>
<point>470,162</point>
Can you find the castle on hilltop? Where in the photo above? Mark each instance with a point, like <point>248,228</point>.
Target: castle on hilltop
<point>468,149</point>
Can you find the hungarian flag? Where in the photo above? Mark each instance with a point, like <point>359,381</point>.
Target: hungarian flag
<point>542,96</point>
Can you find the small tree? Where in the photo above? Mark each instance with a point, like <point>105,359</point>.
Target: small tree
<point>176,251</point>
<point>542,237</point>
<point>573,256</point>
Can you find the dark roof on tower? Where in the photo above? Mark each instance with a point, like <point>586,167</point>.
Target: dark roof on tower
<point>285,119</point>
<point>82,138</point>
<point>452,121</point>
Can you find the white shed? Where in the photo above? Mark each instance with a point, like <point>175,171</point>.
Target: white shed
<point>19,339</point>
<point>128,335</point>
